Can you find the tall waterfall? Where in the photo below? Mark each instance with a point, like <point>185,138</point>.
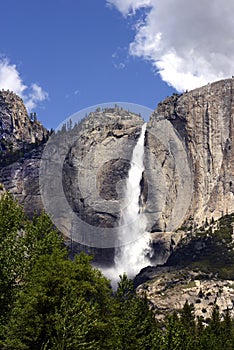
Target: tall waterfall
<point>133,251</point>
<point>134,248</point>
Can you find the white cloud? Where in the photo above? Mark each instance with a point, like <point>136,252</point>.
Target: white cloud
<point>120,65</point>
<point>36,94</point>
<point>10,79</point>
<point>189,43</point>
<point>128,7</point>
<point>120,57</point>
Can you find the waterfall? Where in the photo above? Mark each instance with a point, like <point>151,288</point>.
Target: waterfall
<point>134,248</point>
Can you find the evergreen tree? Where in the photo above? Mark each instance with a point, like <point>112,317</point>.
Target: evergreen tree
<point>12,220</point>
<point>136,323</point>
<point>64,304</point>
<point>215,324</point>
<point>187,318</point>
<point>40,238</point>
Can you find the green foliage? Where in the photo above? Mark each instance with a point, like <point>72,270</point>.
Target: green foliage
<point>8,155</point>
<point>216,252</point>
<point>175,334</point>
<point>135,322</point>
<point>12,219</point>
<point>187,317</point>
<point>21,243</point>
<point>40,238</point>
<point>125,289</point>
<point>49,302</point>
<point>63,303</point>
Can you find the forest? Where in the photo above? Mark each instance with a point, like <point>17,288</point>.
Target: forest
<point>50,301</point>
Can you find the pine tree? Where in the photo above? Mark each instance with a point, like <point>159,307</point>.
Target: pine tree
<point>12,221</point>
<point>63,303</point>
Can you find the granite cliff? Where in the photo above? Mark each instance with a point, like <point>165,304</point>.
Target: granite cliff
<point>96,158</point>
<point>189,165</point>
<point>189,162</point>
<point>190,169</point>
<point>97,164</point>
<point>18,131</point>
<point>204,121</point>
<point>21,143</point>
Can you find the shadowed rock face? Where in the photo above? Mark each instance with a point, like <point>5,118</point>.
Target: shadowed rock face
<point>22,179</point>
<point>95,169</point>
<point>97,164</point>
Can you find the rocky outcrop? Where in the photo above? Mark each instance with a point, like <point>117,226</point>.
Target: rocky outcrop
<point>18,131</point>
<point>200,269</point>
<point>169,289</point>
<point>203,122</point>
<point>21,139</point>
<point>22,179</point>
<point>163,245</point>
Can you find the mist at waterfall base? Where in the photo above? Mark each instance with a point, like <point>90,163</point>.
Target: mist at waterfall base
<point>133,251</point>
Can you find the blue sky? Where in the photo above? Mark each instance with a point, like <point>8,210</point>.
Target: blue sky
<point>65,55</point>
<point>74,50</point>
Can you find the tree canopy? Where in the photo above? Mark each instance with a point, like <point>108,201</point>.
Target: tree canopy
<point>49,301</point>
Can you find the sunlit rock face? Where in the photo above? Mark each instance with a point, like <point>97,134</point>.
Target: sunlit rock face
<point>18,130</point>
<point>21,138</point>
<point>203,120</point>
<point>170,288</point>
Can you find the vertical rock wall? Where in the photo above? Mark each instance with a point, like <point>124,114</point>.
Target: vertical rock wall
<point>204,122</point>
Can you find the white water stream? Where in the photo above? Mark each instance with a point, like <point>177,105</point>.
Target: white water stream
<point>133,251</point>
<point>132,254</point>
